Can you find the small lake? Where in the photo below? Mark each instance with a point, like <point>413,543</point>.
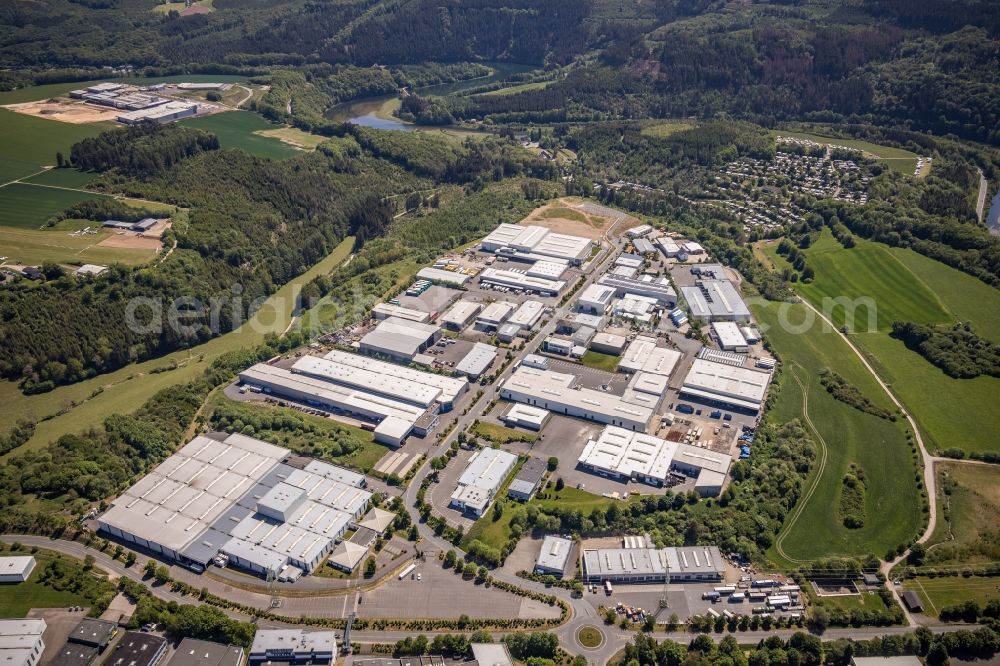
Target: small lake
<point>374,111</point>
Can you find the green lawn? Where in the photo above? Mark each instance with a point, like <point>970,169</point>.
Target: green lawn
<point>599,361</point>
<point>866,600</point>
<point>513,90</point>
<point>500,435</point>
<point>16,599</point>
<point>903,285</point>
<point>33,142</point>
<point>968,504</point>
<point>236,129</point>
<point>893,507</point>
<point>897,159</point>
<point>82,405</point>
<point>30,206</point>
<point>937,593</point>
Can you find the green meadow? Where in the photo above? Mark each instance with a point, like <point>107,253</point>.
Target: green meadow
<point>893,508</point>
<point>902,285</point>
<point>236,129</point>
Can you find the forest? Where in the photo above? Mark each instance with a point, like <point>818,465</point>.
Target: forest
<point>957,350</point>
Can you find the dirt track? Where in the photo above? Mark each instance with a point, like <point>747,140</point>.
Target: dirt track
<point>65,111</point>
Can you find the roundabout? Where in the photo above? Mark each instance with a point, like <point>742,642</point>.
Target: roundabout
<point>590,637</point>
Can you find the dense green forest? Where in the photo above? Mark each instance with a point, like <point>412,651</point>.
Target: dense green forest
<point>956,349</point>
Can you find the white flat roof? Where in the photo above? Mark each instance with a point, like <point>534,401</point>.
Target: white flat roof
<point>718,381</point>
<point>555,552</point>
<point>609,339</point>
<point>17,565</point>
<point>628,453</point>
<point>368,379</point>
<point>511,278</point>
<point>496,313</point>
<point>394,428</point>
<point>439,275</point>
<point>478,360</point>
<point>527,414</point>
<point>504,234</point>
<point>642,354</point>
<point>729,334</point>
<point>487,469</point>
<point>451,387</point>
<point>386,310</point>
<point>598,294</point>
<point>653,561</point>
<point>528,314</point>
<point>400,336</point>
<point>554,388</point>
<point>460,313</point>
<point>715,298</point>
<point>548,268</point>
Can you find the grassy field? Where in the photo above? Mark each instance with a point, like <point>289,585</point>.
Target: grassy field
<point>893,508</point>
<point>28,143</point>
<point>599,361</point>
<point>903,285</point>
<point>513,90</point>
<point>34,246</point>
<point>241,129</point>
<point>968,504</point>
<point>17,599</point>
<point>866,600</point>
<point>25,206</point>
<point>86,404</point>
<point>294,137</point>
<point>62,178</point>
<point>499,434</point>
<point>936,593</point>
<point>895,158</point>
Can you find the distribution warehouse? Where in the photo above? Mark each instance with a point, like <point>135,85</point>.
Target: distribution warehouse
<point>557,392</point>
<point>238,497</point>
<point>400,339</point>
<point>622,454</point>
<point>532,243</point>
<point>652,565</point>
<point>481,479</point>
<point>726,385</point>
<point>398,398</point>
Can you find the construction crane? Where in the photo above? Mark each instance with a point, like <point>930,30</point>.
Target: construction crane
<point>272,589</point>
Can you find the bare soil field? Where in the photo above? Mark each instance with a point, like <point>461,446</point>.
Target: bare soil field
<point>570,215</point>
<point>65,111</point>
<point>133,241</point>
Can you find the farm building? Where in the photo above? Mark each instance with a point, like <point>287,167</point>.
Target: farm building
<point>652,565</point>
<point>557,392</point>
<point>481,480</point>
<point>554,556</point>
<point>400,339</point>
<point>724,385</point>
<point>237,496</point>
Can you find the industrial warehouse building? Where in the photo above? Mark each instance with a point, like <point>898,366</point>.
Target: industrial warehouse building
<point>723,385</point>
<point>532,243</point>
<point>527,315</point>
<point>137,649</point>
<point>648,286</point>
<point>494,315</point>
<point>386,310</point>
<point>398,398</point>
<point>595,299</point>
<point>715,300</point>
<point>460,315</point>
<point>21,641</point>
<point>477,361</point>
<point>554,556</point>
<point>642,355</point>
<point>441,276</point>
<point>16,569</point>
<point>527,480</point>
<point>521,280</point>
<point>238,497</point>
<point>164,113</point>
<point>400,339</point>
<point>482,479</point>
<point>558,392</point>
<point>293,646</point>
<point>621,454</point>
<point>730,336</point>
<point>195,652</point>
<point>653,565</point>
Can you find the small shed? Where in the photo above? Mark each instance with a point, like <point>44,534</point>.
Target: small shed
<point>913,602</point>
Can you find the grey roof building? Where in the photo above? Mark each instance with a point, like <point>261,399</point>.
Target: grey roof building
<point>93,632</point>
<point>527,480</point>
<point>477,361</point>
<point>135,649</point>
<point>650,565</point>
<point>293,646</point>
<point>554,556</point>
<point>399,338</point>
<point>194,652</point>
<point>715,300</point>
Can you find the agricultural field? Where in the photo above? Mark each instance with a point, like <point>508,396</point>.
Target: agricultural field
<point>294,137</point>
<point>35,246</point>
<point>86,404</point>
<point>513,90</point>
<point>242,129</point>
<point>938,593</point>
<point>893,507</point>
<point>72,178</point>
<point>906,286</point>
<point>27,144</point>
<point>24,206</point>
<point>896,159</point>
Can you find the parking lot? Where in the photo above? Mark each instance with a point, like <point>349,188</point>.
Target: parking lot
<point>441,593</point>
<point>440,492</point>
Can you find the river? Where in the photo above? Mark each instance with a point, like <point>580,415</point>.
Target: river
<point>377,111</point>
<point>993,216</point>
